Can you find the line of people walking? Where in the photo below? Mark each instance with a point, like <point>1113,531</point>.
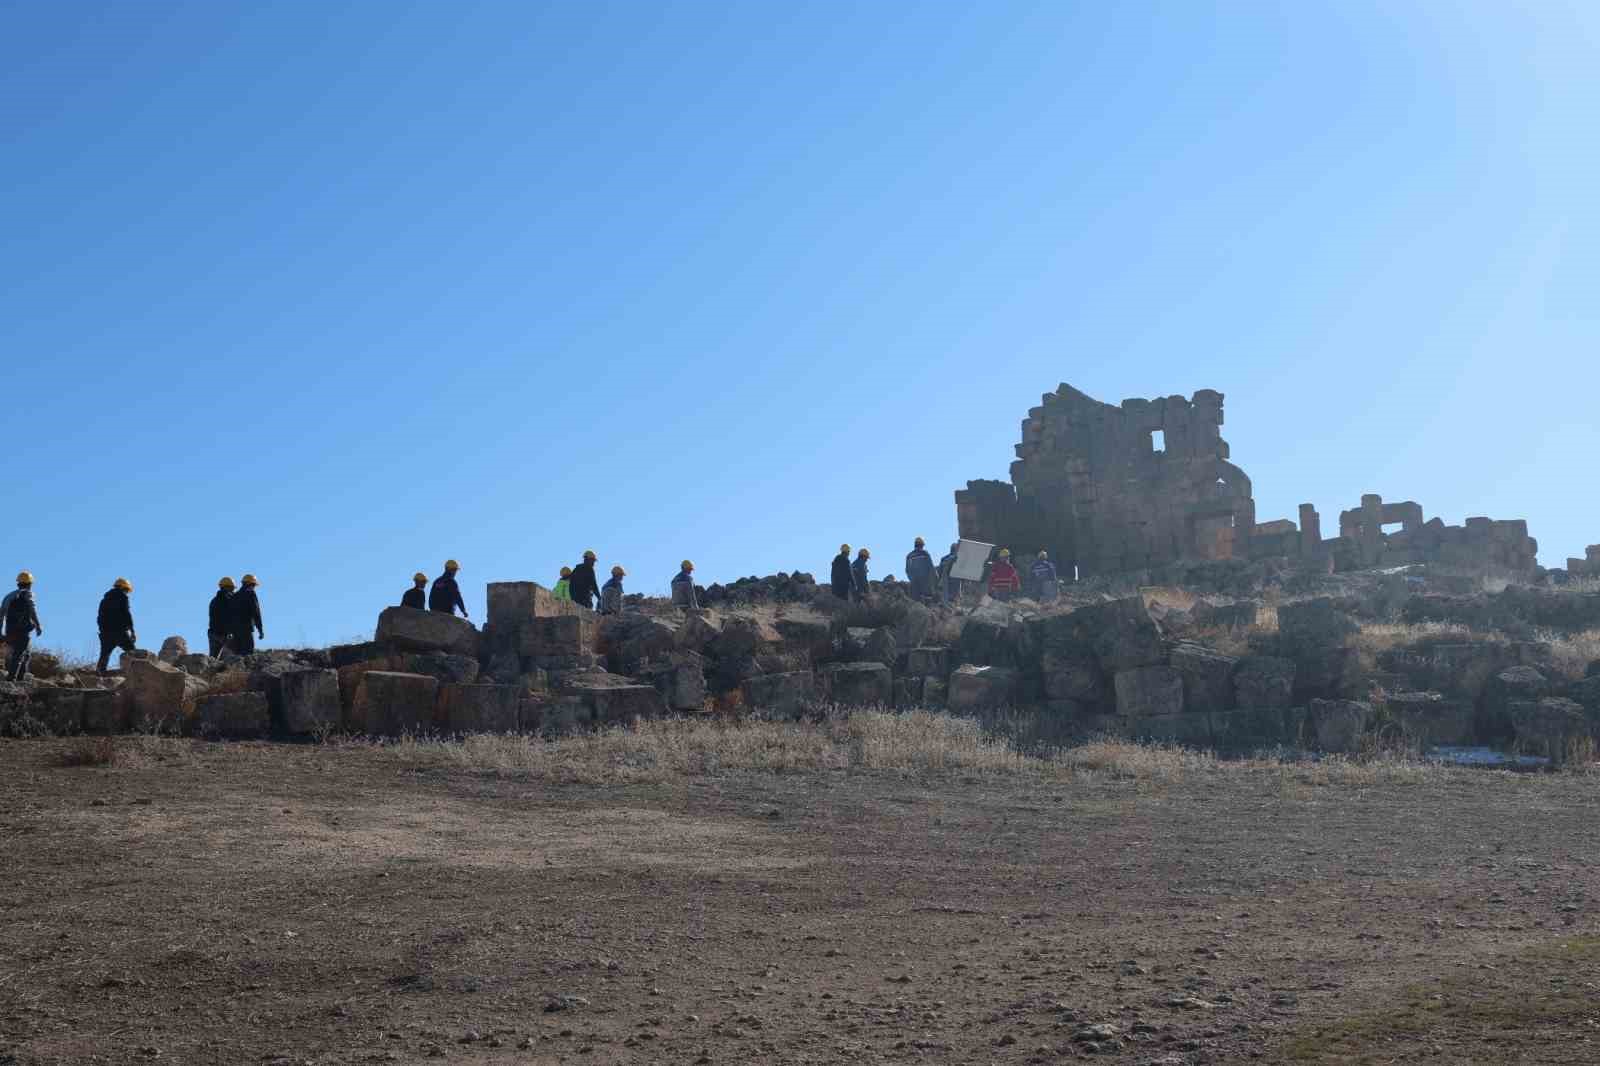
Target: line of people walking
<point>576,584</point>
<point>932,581</point>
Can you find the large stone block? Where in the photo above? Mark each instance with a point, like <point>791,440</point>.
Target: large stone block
<point>788,695</point>
<point>1338,725</point>
<point>236,715</point>
<point>1554,727</point>
<point>1264,681</point>
<point>1517,684</point>
<point>104,711</point>
<point>569,635</point>
<point>1207,677</point>
<point>413,630</point>
<point>1251,729</point>
<point>928,662</point>
<point>614,703</point>
<point>741,637</point>
<point>1072,672</point>
<point>303,702</point>
<point>60,710</point>
<point>343,655</point>
<point>173,649</point>
<point>858,684</point>
<point>1318,623</point>
<point>974,688</point>
<point>806,632</point>
<point>700,630</point>
<point>1183,730</point>
<point>632,639</point>
<point>1429,720</point>
<point>479,708</point>
<point>1119,633</point>
<point>392,704</point>
<point>680,678</point>
<point>1149,692</point>
<point>514,604</point>
<point>158,693</point>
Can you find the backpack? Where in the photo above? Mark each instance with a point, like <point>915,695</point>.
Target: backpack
<point>19,616</point>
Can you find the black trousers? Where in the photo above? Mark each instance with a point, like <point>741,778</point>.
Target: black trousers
<point>243,643</point>
<point>110,642</point>
<point>217,642</point>
<point>19,653</point>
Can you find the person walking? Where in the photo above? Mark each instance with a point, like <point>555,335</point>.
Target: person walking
<point>219,620</point>
<point>115,621</point>
<point>416,597</point>
<point>842,580</point>
<point>1004,582</point>
<point>950,586</point>
<point>1045,584</point>
<point>611,592</point>
<point>446,594</point>
<point>244,613</point>
<point>563,589</point>
<point>21,620</point>
<point>683,594</point>
<point>858,575</point>
<point>920,570</point>
<point>585,587</point>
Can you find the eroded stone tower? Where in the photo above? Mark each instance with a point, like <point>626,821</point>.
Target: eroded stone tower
<point>1110,489</point>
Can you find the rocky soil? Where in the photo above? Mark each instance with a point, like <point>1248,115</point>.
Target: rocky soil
<point>251,903</point>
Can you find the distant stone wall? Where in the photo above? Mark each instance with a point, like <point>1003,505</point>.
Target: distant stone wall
<point>1091,485</point>
<point>1118,489</point>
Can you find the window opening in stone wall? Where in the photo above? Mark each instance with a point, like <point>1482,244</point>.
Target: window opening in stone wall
<point>1392,527</point>
<point>1158,441</point>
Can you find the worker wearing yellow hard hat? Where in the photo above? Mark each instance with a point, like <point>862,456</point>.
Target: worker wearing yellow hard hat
<point>839,578</point>
<point>563,589</point>
<point>446,594</point>
<point>416,597</point>
<point>245,617</point>
<point>584,585</point>
<point>920,570</point>
<point>21,621</point>
<point>683,591</point>
<point>219,618</point>
<point>611,592</point>
<point>858,575</point>
<point>115,619</point>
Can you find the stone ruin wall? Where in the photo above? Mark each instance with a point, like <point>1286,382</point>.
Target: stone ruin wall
<point>1091,485</point>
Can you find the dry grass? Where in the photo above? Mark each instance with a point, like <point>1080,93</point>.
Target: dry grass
<point>90,751</point>
<point>1378,637</point>
<point>914,742</point>
<point>1571,653</point>
<point>1168,596</point>
<point>139,752</point>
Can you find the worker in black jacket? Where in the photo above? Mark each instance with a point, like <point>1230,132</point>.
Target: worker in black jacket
<point>842,579</point>
<point>115,619</point>
<point>416,597</point>
<point>219,622</point>
<point>584,586</point>
<point>21,620</point>
<point>245,617</point>
<point>446,594</point>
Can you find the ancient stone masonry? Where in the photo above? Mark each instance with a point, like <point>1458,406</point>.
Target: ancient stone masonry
<point>1589,566</point>
<point>1121,489</point>
<point>1093,484</point>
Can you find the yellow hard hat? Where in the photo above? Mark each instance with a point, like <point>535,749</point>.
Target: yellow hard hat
<point>590,554</point>
<point>1005,553</point>
<point>919,542</point>
<point>25,578</point>
<point>420,578</point>
<point>844,549</point>
<point>451,564</point>
<point>225,583</point>
<point>122,583</point>
<point>566,571</point>
<point>617,571</point>
<point>248,580</point>
<point>687,565</point>
<point>866,553</point>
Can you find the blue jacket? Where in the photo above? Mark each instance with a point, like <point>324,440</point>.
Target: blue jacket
<point>611,596</point>
<point>919,566</point>
<point>683,589</point>
<point>1043,570</point>
<point>858,573</point>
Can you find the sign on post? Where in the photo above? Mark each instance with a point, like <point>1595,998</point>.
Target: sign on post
<point>971,557</point>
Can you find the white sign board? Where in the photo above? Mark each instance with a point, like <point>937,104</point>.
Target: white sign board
<point>971,557</point>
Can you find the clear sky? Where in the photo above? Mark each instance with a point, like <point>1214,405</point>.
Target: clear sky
<point>332,291</point>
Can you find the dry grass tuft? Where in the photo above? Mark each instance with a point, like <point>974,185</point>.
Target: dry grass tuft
<point>1571,653</point>
<point>90,751</point>
<point>1127,760</point>
<point>1377,637</point>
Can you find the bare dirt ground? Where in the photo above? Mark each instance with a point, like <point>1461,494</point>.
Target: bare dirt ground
<point>342,904</point>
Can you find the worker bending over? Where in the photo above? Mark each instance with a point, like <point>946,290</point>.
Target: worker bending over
<point>115,619</point>
<point>446,594</point>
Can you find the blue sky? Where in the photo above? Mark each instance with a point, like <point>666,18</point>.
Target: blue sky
<point>330,292</point>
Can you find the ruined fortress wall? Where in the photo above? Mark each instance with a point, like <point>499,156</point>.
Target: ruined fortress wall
<point>1113,489</point>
